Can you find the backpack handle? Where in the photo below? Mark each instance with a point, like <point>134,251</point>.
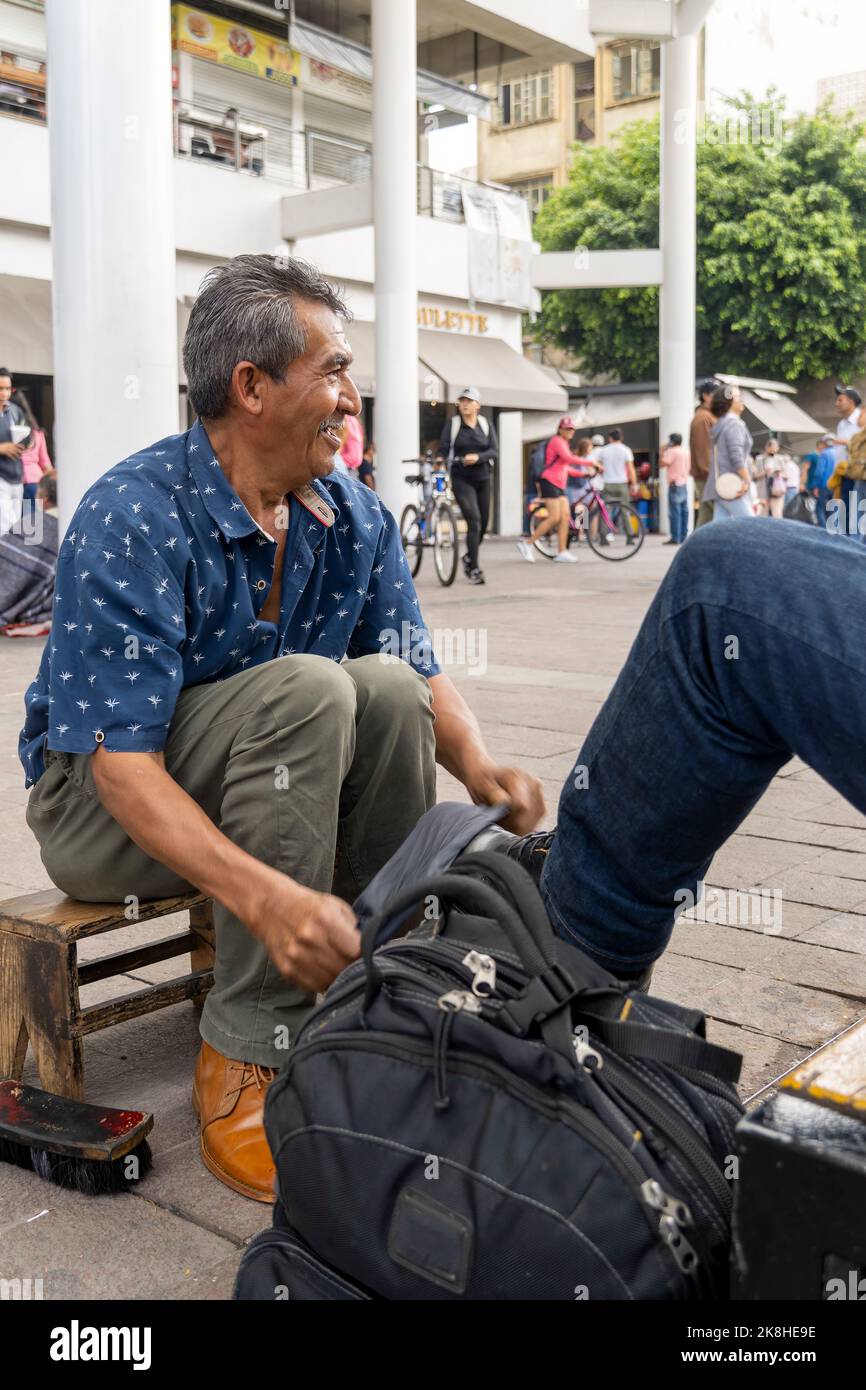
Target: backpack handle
<point>523,920</point>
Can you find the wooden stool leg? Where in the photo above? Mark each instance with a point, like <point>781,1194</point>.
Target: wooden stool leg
<point>202,956</point>
<point>13,1029</point>
<point>47,975</point>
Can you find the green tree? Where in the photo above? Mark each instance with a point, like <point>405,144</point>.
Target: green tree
<point>781,247</point>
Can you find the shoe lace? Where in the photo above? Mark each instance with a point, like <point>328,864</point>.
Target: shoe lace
<point>252,1072</point>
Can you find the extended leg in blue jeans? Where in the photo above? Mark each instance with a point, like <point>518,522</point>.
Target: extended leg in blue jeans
<point>754,649</point>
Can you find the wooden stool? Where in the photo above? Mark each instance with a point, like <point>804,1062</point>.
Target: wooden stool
<point>40,977</point>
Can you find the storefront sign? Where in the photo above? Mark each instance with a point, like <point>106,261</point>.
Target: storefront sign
<point>324,80</point>
<point>454,320</point>
<point>234,46</point>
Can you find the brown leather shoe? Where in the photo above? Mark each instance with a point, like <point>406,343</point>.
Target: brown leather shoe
<point>229,1099</point>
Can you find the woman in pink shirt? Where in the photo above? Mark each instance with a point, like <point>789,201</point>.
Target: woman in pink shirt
<point>35,461</point>
<point>560,465</point>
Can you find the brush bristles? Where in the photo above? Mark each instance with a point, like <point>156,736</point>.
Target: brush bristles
<point>92,1177</point>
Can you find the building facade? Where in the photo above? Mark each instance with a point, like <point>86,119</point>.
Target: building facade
<point>271,149</point>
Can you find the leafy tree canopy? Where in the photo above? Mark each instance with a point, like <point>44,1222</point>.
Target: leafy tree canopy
<point>781,233</point>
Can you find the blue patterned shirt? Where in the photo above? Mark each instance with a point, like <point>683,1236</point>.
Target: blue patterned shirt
<point>160,581</point>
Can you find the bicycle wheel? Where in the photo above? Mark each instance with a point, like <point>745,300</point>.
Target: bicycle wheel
<point>617,533</point>
<point>548,545</point>
<point>412,536</point>
<point>445,550</point>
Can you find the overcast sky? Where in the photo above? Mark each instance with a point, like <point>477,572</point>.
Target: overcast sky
<point>786,43</point>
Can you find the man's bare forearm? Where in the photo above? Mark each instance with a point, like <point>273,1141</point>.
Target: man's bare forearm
<point>171,828</point>
<point>460,744</point>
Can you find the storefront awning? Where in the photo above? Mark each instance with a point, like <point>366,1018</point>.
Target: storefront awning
<point>504,378</point>
<point>362,338</point>
<point>780,413</point>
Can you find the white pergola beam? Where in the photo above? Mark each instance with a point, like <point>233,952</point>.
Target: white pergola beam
<point>632,19</point>
<point>584,269</point>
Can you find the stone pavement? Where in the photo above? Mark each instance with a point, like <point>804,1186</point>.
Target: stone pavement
<point>536,687</point>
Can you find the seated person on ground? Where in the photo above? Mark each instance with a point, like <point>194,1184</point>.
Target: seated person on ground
<point>217,706</point>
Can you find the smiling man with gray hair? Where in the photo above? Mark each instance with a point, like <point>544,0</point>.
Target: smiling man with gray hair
<point>214,708</point>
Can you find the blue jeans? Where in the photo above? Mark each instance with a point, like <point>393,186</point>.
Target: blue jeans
<point>678,511</point>
<point>691,734</point>
<point>730,511</point>
<point>29,503</point>
<point>822,499</point>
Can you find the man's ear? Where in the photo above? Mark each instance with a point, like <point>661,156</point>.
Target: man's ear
<point>248,388</point>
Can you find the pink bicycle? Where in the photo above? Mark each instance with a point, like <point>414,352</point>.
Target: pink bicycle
<point>614,530</point>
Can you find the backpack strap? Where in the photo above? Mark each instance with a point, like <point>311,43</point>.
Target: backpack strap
<point>670,1049</point>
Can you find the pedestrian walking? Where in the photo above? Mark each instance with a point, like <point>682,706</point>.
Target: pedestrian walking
<point>820,467</point>
<point>35,461</point>
<point>560,465</point>
<point>728,483</point>
<point>469,443</point>
<point>675,460</point>
<point>700,449</point>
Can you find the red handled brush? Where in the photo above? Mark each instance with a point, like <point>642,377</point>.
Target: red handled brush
<point>87,1148</point>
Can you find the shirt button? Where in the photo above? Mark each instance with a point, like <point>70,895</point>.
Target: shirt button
<point>260,586</point>
<point>99,736</point>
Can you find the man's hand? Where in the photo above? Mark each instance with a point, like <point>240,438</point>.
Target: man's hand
<point>492,785</point>
<point>310,937</point>
<point>11,451</point>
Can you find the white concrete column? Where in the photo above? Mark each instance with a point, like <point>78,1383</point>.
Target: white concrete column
<point>394,220</point>
<point>510,466</point>
<point>679,81</point>
<point>112,235</point>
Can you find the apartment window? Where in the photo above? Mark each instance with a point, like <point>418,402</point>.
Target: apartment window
<point>584,100</point>
<point>535,191</point>
<point>527,99</point>
<point>636,67</point>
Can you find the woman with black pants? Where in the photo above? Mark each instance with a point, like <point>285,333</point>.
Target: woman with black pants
<point>469,443</point>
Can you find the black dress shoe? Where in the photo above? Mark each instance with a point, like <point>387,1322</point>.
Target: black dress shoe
<point>531,851</point>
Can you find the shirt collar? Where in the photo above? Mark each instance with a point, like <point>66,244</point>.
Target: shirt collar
<point>219,497</point>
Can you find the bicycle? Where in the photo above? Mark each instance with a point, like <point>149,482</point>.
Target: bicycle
<point>614,532</point>
<point>432,522</point>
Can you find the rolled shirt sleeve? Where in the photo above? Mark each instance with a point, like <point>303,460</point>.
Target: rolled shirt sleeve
<point>119,624</point>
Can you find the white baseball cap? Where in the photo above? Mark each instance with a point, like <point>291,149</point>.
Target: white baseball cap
<point>471,393</point>
<point>597,439</point>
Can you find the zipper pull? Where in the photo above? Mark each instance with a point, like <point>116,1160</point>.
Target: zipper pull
<point>586,1055</point>
<point>675,1215</point>
<point>685,1254</point>
<point>655,1196</point>
<point>457,999</point>
<point>483,973</point>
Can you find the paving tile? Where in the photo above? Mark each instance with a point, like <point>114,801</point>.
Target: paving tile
<point>97,1247</point>
<point>846,931</point>
<point>790,1013</point>
<point>772,956</point>
<point>823,890</point>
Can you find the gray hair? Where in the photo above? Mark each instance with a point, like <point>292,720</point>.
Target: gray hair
<point>245,312</point>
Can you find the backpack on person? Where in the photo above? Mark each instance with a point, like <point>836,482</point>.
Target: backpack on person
<point>478,1111</point>
<point>538,461</point>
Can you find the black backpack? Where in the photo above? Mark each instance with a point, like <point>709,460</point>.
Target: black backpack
<point>538,461</point>
<point>478,1111</point>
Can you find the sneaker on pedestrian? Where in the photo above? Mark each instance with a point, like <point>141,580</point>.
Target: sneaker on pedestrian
<point>467,566</point>
<point>566,557</point>
<point>526,551</point>
<point>475,577</point>
<point>671,542</point>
